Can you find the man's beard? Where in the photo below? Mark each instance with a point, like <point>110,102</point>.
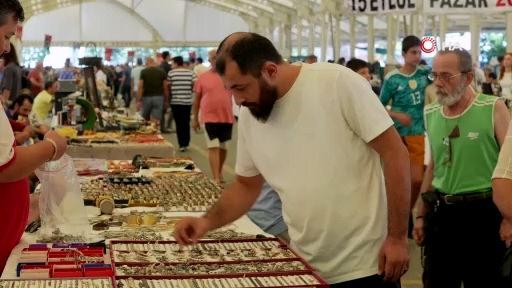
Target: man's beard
<point>451,99</point>
<point>268,97</point>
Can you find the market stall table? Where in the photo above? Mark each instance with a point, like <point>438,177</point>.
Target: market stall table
<point>120,151</point>
<point>242,225</point>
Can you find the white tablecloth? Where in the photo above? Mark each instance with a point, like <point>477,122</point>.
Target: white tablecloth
<point>124,151</point>
<point>244,225</point>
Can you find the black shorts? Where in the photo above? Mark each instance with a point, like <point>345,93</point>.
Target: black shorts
<point>221,131</point>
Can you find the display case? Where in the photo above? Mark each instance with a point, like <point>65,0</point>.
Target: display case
<point>175,192</point>
<point>57,283</point>
<point>246,263</point>
<point>38,261</point>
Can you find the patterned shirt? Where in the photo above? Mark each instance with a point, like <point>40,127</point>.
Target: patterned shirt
<point>407,94</point>
<point>182,83</point>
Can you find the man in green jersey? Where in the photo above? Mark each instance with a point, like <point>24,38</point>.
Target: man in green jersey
<point>405,89</point>
<point>457,220</point>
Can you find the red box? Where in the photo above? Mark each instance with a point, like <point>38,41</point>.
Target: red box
<point>67,273</point>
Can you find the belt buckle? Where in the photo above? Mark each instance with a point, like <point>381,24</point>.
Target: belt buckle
<point>450,199</point>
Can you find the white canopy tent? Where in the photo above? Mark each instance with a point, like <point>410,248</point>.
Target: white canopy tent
<point>296,26</point>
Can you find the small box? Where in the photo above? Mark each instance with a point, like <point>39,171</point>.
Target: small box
<point>97,270</point>
<point>67,273</point>
<point>34,272</point>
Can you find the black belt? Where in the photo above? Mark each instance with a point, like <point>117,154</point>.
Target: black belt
<point>464,198</point>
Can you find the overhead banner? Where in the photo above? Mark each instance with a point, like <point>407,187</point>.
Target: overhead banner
<point>131,55</point>
<point>381,6</point>
<point>47,42</point>
<point>466,6</point>
<point>108,54</point>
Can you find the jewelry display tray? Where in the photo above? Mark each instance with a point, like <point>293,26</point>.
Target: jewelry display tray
<point>202,279</point>
<point>58,283</point>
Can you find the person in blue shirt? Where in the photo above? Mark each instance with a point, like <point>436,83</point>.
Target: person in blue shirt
<point>267,213</point>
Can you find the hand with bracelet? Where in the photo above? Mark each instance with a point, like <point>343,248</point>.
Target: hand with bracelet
<point>58,142</point>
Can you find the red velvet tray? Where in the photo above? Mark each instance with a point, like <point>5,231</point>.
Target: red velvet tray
<point>308,270</point>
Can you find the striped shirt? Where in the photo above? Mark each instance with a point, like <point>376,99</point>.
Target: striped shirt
<point>182,82</point>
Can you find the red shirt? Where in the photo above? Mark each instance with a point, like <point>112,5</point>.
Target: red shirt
<point>16,126</point>
<point>38,76</point>
<point>14,206</point>
<point>216,104</point>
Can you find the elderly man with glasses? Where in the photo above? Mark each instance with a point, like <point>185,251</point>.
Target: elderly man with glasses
<point>457,221</point>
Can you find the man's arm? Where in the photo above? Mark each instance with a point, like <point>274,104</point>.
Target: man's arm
<point>396,168</point>
<point>502,181</point>
<point>35,82</point>
<point>501,121</point>
<point>394,254</point>
<point>426,186</point>
<point>165,84</point>
<point>140,90</point>
<point>234,202</point>
<point>196,107</point>
<point>386,95</point>
<point>501,184</point>
<point>23,136</point>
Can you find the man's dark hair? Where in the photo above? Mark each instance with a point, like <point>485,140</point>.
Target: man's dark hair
<point>48,84</point>
<point>409,42</point>
<point>165,54</point>
<point>311,57</point>
<point>11,57</point>
<point>139,61</point>
<point>11,8</point>
<point>341,61</point>
<point>178,60</point>
<point>249,52</point>
<point>199,60</point>
<point>355,64</point>
<point>20,99</point>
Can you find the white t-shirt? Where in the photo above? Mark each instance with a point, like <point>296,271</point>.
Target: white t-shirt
<point>200,69</point>
<point>136,77</point>
<point>100,75</point>
<point>506,85</point>
<point>313,151</point>
<point>6,140</point>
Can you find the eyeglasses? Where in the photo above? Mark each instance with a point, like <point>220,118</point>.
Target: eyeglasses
<point>443,76</point>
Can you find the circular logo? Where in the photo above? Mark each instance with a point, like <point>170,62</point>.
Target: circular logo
<point>413,84</point>
<point>428,44</point>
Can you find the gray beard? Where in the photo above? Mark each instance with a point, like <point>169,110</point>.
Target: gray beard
<point>451,99</point>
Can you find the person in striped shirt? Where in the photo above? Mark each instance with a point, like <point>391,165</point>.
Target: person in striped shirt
<point>182,83</point>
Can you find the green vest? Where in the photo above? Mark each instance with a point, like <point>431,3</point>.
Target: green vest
<point>474,148</point>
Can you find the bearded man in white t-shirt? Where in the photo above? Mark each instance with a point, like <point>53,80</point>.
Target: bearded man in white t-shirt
<point>317,134</point>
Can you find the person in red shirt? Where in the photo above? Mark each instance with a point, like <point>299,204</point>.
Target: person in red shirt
<point>36,79</point>
<point>213,108</point>
<point>16,163</point>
